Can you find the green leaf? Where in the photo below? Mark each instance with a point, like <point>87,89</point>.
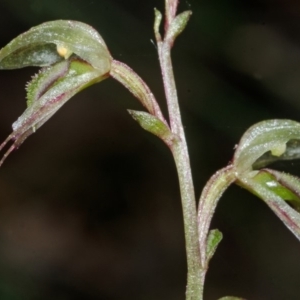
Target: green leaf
<point>214,238</point>
<point>54,41</point>
<point>269,137</point>
<point>153,125</point>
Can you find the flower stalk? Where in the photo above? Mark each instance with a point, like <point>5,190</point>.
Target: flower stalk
<point>179,148</point>
<point>129,79</point>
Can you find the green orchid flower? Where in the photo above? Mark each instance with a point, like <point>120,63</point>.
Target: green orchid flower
<point>262,144</point>
<point>73,56</point>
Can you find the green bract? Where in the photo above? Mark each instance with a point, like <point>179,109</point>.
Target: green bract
<point>154,125</point>
<point>73,55</point>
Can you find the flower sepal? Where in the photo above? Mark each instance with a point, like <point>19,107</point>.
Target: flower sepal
<point>73,56</point>
<point>46,93</point>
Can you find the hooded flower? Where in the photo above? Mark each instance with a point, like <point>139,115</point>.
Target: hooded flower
<point>262,144</point>
<point>73,56</point>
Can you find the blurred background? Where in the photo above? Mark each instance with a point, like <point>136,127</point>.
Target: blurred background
<point>90,206</point>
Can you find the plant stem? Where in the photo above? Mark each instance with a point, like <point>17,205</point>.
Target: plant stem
<point>180,152</point>
<point>171,8</point>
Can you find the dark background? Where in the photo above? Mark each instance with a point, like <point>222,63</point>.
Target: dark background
<point>89,205</point>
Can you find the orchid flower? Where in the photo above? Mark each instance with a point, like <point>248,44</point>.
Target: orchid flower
<point>263,143</point>
<point>73,56</point>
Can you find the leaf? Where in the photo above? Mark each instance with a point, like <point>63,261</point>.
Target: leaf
<point>54,41</point>
<point>214,238</point>
<point>153,125</point>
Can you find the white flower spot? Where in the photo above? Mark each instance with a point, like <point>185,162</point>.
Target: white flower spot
<point>278,150</point>
<point>63,51</point>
